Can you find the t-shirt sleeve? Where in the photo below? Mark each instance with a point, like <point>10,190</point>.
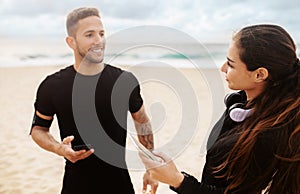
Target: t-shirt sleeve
<point>135,99</point>
<point>43,102</point>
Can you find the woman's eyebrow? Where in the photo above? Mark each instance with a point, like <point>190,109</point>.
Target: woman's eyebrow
<point>230,60</point>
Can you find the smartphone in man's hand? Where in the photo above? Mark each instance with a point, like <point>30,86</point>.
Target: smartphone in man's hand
<point>82,147</point>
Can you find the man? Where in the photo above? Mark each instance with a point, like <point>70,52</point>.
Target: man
<point>75,95</point>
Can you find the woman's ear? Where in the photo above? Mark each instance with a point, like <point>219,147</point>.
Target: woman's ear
<point>71,42</point>
<point>261,74</point>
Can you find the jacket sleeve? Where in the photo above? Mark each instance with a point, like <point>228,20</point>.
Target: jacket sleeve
<point>190,185</point>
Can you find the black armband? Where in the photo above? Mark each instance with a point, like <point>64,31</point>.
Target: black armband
<point>38,121</point>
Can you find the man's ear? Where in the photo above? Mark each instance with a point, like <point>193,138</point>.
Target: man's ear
<point>71,42</point>
<point>261,74</point>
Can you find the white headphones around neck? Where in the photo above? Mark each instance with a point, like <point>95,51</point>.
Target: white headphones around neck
<point>235,104</point>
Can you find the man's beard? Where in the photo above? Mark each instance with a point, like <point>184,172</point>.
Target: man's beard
<point>89,57</point>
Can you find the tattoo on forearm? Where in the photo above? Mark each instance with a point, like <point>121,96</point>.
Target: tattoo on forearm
<point>145,134</point>
<point>143,128</point>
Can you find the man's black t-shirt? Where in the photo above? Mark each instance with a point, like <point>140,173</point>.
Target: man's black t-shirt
<point>94,110</point>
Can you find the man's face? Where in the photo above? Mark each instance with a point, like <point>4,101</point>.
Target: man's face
<point>90,40</point>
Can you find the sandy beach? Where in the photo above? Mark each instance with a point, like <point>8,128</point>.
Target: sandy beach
<point>25,168</point>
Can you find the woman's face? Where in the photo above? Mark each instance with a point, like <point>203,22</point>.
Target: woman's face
<point>236,73</point>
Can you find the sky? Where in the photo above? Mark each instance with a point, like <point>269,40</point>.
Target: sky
<point>205,20</point>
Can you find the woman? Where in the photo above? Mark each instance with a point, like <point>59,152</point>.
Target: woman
<point>258,144</point>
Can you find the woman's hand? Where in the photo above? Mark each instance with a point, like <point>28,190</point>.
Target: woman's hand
<point>164,171</point>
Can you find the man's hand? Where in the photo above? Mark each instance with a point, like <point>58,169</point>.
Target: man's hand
<point>147,180</point>
<point>67,151</point>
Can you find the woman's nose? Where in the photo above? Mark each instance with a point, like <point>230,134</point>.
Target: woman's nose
<point>224,67</point>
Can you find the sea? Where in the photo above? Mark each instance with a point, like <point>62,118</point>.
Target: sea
<point>19,52</point>
<point>45,52</point>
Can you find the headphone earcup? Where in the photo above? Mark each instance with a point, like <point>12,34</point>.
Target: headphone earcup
<point>237,113</point>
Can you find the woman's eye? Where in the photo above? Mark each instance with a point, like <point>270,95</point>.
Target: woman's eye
<point>229,65</point>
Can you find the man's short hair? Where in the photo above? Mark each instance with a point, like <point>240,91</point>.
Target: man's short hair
<point>79,14</point>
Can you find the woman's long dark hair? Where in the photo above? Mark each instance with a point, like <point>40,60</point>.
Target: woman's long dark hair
<point>277,107</point>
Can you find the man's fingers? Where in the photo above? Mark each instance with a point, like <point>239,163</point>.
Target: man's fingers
<point>86,154</point>
<point>154,187</point>
<point>81,154</point>
<point>68,139</point>
<point>144,186</point>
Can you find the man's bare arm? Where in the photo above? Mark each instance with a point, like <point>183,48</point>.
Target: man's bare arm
<point>145,135</point>
<point>143,128</point>
<point>45,140</point>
